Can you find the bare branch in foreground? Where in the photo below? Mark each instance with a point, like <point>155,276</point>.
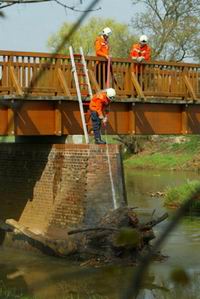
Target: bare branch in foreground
<point>6,3</point>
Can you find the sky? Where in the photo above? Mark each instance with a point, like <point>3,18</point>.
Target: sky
<point>27,27</point>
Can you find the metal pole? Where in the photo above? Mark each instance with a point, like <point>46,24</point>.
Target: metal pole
<point>79,95</point>
<point>86,72</point>
<point>108,73</point>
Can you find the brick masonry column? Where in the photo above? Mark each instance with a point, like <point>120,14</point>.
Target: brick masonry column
<point>61,186</point>
<point>105,182</point>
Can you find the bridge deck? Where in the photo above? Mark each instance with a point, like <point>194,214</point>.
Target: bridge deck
<point>38,96</point>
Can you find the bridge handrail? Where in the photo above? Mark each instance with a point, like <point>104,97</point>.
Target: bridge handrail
<point>92,58</point>
<point>4,53</point>
<point>152,79</point>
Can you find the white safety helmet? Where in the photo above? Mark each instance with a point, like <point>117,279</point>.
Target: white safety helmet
<point>143,39</point>
<point>107,31</point>
<point>111,93</point>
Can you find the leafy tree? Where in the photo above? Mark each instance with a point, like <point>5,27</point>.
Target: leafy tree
<point>173,27</point>
<point>197,50</point>
<point>120,41</point>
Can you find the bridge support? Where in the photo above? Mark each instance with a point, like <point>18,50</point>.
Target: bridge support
<point>50,188</point>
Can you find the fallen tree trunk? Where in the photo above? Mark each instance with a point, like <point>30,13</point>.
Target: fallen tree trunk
<point>119,235</point>
<point>154,222</point>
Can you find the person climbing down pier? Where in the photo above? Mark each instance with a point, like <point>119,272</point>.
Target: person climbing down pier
<point>99,108</point>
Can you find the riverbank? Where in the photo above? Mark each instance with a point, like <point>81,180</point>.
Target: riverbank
<point>167,153</point>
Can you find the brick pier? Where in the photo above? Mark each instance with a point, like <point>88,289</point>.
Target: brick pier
<point>48,187</point>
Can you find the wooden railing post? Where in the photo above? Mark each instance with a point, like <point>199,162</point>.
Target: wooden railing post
<point>189,87</point>
<point>15,81</point>
<point>62,80</point>
<point>10,59</point>
<point>95,85</point>
<point>137,86</point>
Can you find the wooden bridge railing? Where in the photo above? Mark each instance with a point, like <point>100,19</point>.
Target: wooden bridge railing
<point>41,74</point>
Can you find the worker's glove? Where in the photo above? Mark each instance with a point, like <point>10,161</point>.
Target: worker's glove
<point>104,121</point>
<point>134,58</point>
<point>140,59</point>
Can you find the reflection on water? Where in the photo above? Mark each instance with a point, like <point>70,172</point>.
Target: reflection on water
<point>46,277</point>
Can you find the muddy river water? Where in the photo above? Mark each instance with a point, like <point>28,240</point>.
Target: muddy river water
<point>24,275</point>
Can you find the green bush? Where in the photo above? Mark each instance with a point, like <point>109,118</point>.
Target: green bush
<point>175,196</point>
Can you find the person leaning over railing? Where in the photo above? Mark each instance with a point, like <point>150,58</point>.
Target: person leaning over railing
<point>99,109</point>
<point>102,49</point>
<point>140,52</point>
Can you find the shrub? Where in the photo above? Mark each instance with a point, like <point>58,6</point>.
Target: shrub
<point>175,196</point>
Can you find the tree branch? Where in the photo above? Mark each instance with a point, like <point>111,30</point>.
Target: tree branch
<point>73,7</point>
<point>13,2</point>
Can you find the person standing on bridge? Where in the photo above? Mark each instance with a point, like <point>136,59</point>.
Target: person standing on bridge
<point>99,108</point>
<point>141,51</point>
<point>102,49</point>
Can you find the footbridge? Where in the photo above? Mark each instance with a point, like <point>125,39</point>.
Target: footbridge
<point>38,95</point>
<point>55,186</point>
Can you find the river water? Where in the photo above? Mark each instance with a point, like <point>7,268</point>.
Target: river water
<point>24,275</point>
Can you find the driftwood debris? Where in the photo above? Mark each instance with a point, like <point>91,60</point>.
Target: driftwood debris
<point>119,235</point>
<point>127,237</point>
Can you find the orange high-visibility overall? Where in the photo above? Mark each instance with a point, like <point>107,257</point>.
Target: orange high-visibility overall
<point>102,47</point>
<point>99,102</point>
<point>98,106</point>
<point>139,50</point>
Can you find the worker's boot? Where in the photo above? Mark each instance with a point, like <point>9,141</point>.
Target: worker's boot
<point>99,141</point>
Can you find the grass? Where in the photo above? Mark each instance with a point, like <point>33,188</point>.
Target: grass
<point>6,293</point>
<point>175,196</point>
<point>192,145</point>
<point>11,293</point>
<point>158,161</point>
<point>7,139</point>
<point>166,154</point>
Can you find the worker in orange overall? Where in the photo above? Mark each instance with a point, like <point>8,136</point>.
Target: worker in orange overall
<point>141,51</point>
<point>102,49</point>
<point>99,105</point>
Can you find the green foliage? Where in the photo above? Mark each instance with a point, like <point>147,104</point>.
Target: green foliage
<point>77,296</point>
<point>175,196</point>
<point>6,293</point>
<point>132,144</point>
<point>191,145</point>
<point>128,237</point>
<point>166,153</point>
<point>182,285</point>
<point>158,161</point>
<point>179,276</point>
<point>121,39</point>
<point>7,139</point>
